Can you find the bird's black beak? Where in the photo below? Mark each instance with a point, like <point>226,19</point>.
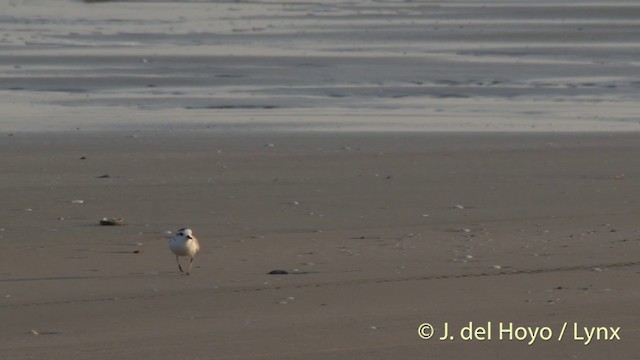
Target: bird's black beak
<point>189,237</point>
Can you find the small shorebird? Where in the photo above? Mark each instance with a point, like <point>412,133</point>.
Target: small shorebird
<point>183,243</point>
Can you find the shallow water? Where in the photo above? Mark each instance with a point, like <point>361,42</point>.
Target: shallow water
<point>297,65</point>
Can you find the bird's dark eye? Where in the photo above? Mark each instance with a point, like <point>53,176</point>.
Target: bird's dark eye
<point>181,234</point>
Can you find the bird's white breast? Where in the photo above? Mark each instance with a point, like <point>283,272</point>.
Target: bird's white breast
<point>184,247</point>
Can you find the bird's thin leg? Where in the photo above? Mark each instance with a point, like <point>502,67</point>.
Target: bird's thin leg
<point>190,264</point>
<point>178,261</point>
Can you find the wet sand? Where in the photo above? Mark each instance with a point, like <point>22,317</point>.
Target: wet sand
<point>360,65</point>
<point>379,233</point>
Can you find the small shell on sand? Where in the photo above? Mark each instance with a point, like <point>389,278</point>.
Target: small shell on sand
<point>111,221</point>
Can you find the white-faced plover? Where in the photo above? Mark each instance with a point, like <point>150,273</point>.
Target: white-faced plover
<point>183,243</point>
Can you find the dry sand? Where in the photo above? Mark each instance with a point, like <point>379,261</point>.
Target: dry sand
<point>380,233</point>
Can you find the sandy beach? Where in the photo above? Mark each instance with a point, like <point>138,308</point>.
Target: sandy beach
<point>379,234</point>
<point>453,163</point>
